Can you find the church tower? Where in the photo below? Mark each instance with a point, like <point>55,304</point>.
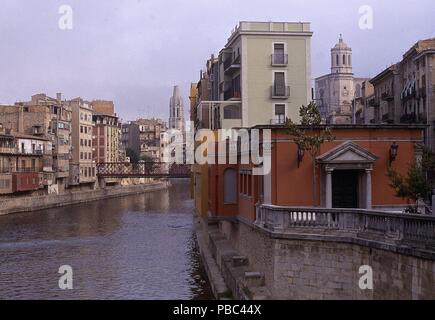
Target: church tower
<point>176,111</point>
<point>341,58</point>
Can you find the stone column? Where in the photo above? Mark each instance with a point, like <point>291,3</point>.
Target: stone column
<point>369,188</point>
<point>328,195</point>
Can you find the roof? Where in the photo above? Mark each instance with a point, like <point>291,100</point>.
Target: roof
<point>341,45</point>
<point>347,152</point>
<point>421,46</point>
<point>384,73</point>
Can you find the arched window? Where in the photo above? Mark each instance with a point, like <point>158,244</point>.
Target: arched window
<point>336,60</point>
<point>344,59</point>
<point>230,186</point>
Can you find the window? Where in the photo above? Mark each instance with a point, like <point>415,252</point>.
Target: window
<point>278,54</point>
<point>279,85</point>
<point>280,113</point>
<point>81,155</point>
<point>336,60</point>
<point>344,59</point>
<point>230,186</point>
<point>81,129</point>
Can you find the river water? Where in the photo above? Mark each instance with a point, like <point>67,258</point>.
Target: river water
<point>135,247</point>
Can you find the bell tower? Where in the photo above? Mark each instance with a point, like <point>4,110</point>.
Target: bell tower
<point>341,58</point>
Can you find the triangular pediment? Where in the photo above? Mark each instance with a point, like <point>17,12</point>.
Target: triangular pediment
<point>347,152</point>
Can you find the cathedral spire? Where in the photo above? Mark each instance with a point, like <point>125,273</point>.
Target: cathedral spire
<point>176,110</point>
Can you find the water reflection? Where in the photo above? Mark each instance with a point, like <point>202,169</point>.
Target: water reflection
<point>137,247</point>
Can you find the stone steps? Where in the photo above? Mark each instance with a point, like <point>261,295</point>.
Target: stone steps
<point>239,276</point>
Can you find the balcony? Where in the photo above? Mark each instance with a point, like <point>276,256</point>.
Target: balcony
<point>26,181</point>
<point>7,150</point>
<point>230,65</point>
<point>387,96</point>
<point>279,60</point>
<point>383,227</point>
<point>278,121</point>
<point>408,118</point>
<point>231,94</point>
<point>280,92</point>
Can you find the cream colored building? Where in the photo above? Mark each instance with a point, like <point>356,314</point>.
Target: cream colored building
<point>82,164</point>
<point>335,92</point>
<point>263,76</point>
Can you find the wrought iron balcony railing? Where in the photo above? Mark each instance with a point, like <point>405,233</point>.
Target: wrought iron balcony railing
<point>387,96</point>
<point>279,59</point>
<point>280,92</point>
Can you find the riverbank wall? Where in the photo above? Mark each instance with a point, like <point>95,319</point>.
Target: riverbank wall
<point>34,203</point>
<point>258,264</point>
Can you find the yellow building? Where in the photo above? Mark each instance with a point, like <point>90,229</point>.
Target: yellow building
<point>262,76</point>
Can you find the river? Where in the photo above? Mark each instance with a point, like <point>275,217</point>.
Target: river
<point>134,247</point>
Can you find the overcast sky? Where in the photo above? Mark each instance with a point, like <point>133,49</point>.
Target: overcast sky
<point>134,51</point>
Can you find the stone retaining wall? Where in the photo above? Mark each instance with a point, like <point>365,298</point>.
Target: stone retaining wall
<point>329,269</point>
<point>25,204</point>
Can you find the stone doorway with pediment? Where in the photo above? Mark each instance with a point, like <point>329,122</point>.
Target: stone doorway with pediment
<point>346,177</point>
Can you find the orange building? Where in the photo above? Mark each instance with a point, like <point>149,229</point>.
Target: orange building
<point>351,172</point>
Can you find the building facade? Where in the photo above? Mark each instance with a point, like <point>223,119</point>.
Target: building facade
<point>105,136</point>
<point>261,76</point>
<point>25,163</point>
<point>150,138</point>
<point>351,172</point>
<point>335,92</point>
<point>49,118</point>
<point>405,91</point>
<point>83,169</point>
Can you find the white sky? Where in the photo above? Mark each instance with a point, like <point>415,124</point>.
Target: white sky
<point>134,51</point>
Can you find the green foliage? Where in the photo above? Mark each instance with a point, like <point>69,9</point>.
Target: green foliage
<point>413,186</point>
<point>146,158</point>
<point>309,136</point>
<point>134,157</point>
<point>149,163</point>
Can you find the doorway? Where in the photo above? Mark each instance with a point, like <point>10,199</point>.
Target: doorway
<point>345,188</point>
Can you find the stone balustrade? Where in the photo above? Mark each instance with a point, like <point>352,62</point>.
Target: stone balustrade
<point>418,230</point>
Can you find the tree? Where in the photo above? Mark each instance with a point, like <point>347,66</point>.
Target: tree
<point>148,162</point>
<point>416,184</point>
<point>310,135</point>
<point>132,154</point>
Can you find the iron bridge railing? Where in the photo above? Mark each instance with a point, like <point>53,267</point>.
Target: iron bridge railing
<point>143,170</point>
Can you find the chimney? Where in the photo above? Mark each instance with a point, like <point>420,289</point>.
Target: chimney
<point>59,97</point>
